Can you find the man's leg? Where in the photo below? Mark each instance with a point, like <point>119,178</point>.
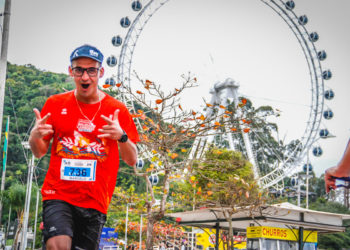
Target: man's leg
<point>58,225</point>
<point>61,242</point>
<point>88,229</point>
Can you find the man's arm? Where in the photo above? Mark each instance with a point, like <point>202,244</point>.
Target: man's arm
<point>37,143</point>
<point>113,131</point>
<point>341,170</point>
<point>128,152</point>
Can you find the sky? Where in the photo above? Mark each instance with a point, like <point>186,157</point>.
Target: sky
<point>214,40</point>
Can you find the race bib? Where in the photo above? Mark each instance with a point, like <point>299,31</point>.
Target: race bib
<point>78,170</point>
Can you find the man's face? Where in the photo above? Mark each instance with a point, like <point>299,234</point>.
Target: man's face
<point>86,73</point>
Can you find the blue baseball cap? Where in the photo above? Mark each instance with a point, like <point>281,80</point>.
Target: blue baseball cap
<point>87,51</point>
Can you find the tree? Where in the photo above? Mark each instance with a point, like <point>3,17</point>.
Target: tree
<point>15,197</point>
<point>117,213</point>
<point>167,132</point>
<point>224,180</point>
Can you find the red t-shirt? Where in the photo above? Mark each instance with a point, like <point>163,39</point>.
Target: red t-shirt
<point>83,168</point>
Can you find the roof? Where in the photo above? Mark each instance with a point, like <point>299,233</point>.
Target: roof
<point>277,215</point>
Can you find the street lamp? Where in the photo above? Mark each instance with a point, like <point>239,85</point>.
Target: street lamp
<point>140,244</point>
<point>27,200</point>
<point>126,224</point>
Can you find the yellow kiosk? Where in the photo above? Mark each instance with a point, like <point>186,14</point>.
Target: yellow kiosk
<point>263,237</point>
<point>206,239</point>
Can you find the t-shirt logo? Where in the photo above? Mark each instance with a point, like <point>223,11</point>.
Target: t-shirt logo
<point>80,146</point>
<point>85,126</point>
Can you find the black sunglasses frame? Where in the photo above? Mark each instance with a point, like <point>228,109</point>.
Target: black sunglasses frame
<point>82,70</point>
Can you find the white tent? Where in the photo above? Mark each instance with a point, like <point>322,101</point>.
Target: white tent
<point>278,215</point>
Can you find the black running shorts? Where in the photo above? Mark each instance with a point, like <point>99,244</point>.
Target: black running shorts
<point>83,225</point>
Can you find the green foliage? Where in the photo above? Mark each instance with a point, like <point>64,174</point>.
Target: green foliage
<point>16,195</point>
<point>220,165</point>
<point>225,178</point>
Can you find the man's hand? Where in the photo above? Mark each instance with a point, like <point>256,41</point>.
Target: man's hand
<point>40,128</point>
<point>341,170</point>
<point>331,174</point>
<point>329,178</point>
<point>112,130</point>
<point>38,145</point>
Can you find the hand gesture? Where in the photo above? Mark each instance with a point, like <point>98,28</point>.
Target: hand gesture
<point>330,179</point>
<point>40,128</point>
<point>112,130</point>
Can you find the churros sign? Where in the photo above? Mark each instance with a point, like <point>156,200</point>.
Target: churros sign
<point>280,233</point>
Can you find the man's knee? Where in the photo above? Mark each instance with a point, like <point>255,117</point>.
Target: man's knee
<point>61,242</point>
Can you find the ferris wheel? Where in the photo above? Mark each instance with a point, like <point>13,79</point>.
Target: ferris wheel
<point>314,130</point>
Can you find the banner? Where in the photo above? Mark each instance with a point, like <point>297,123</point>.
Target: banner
<point>4,150</point>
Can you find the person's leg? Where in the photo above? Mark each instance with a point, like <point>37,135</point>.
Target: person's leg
<point>58,225</point>
<point>88,228</point>
<point>61,242</point>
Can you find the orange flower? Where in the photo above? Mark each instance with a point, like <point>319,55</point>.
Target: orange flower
<point>209,105</point>
<point>202,117</point>
<point>144,137</point>
<point>159,101</point>
<point>118,85</point>
<point>246,130</point>
<point>180,107</point>
<point>139,92</point>
<point>142,116</point>
<point>106,86</point>
<point>222,106</point>
<point>174,155</point>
